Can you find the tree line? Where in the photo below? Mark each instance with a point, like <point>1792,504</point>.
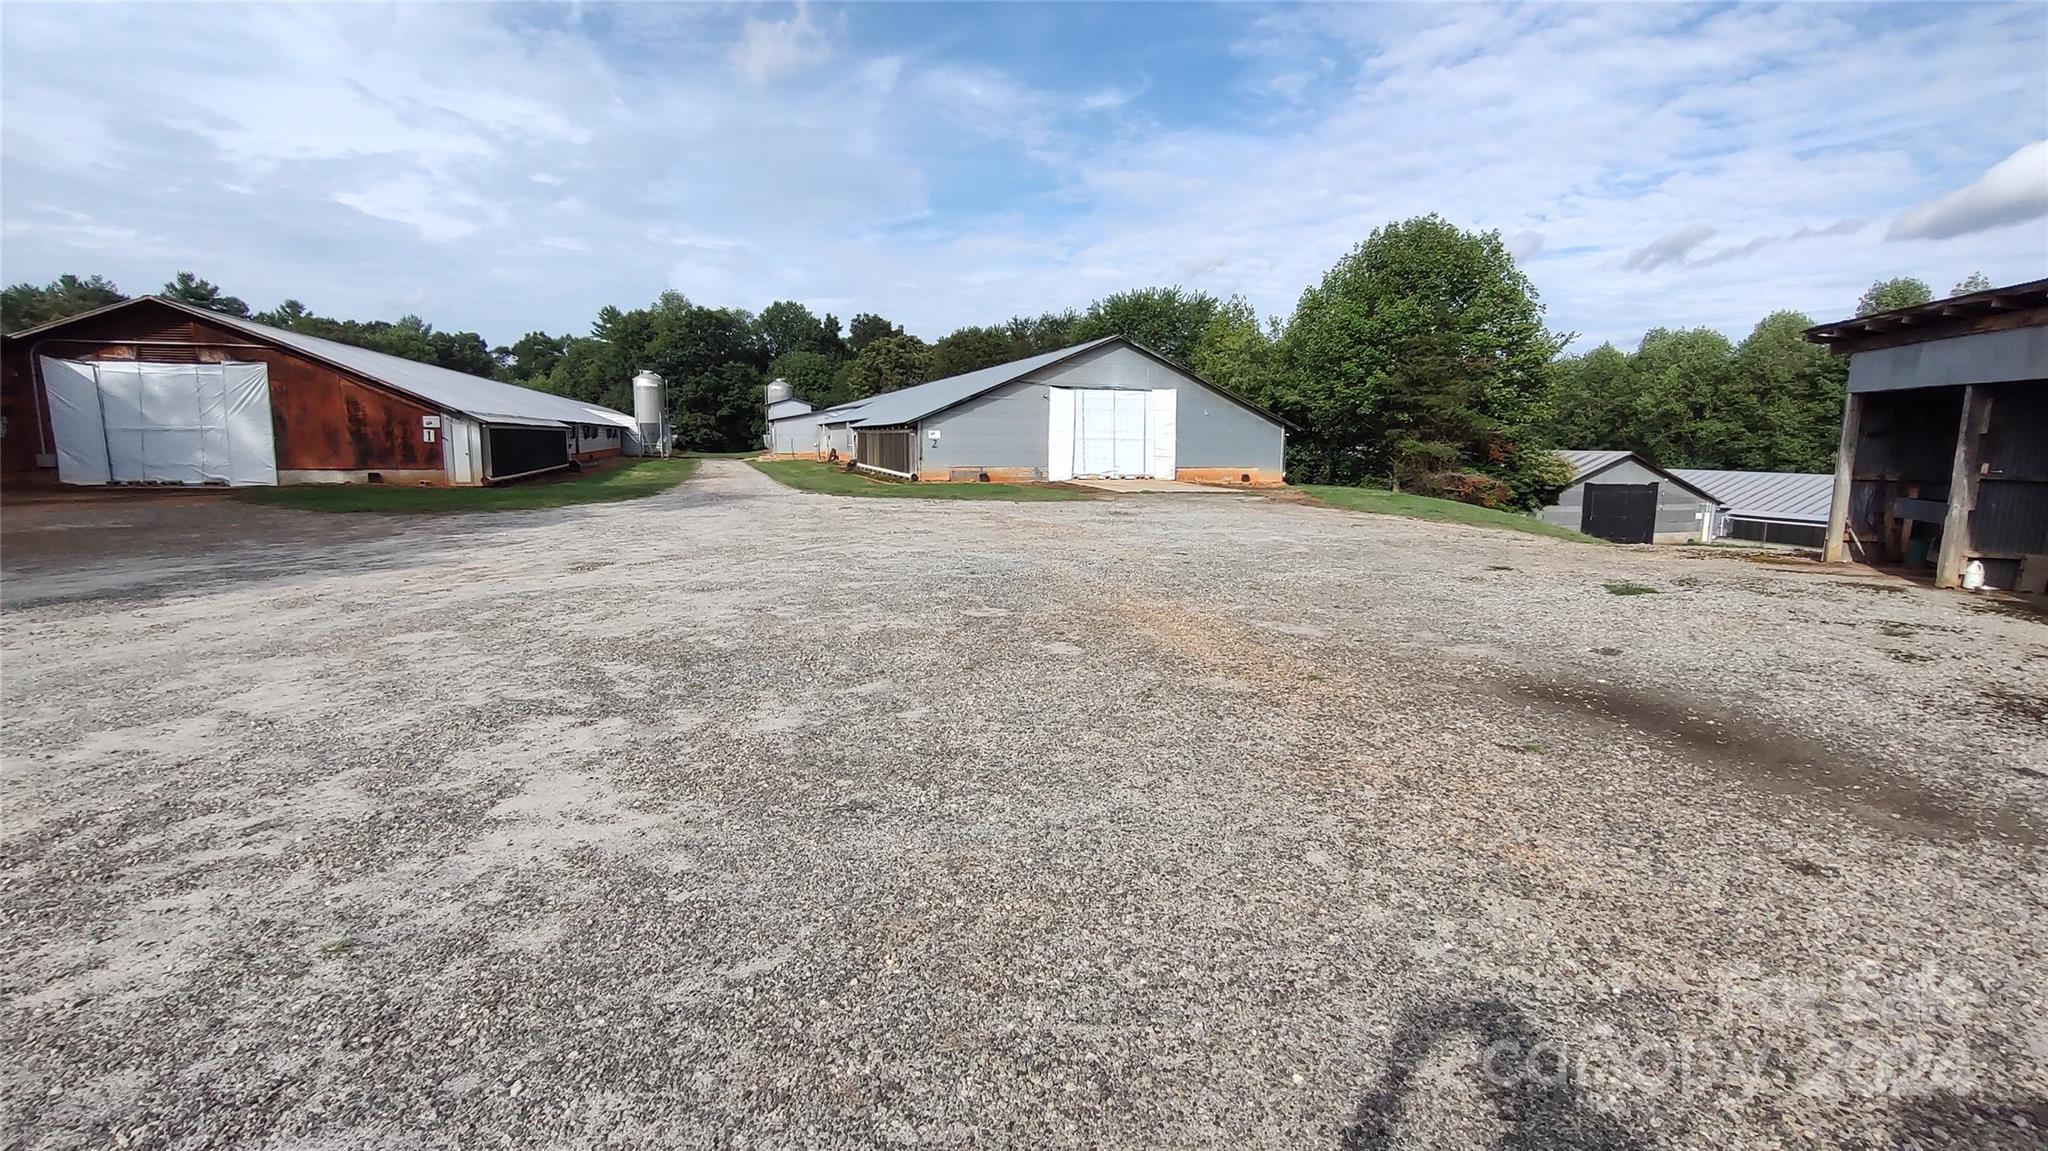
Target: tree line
<point>1420,360</point>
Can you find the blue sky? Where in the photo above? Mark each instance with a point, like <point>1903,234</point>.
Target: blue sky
<point>517,167</point>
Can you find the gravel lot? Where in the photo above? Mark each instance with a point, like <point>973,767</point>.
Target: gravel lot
<point>740,817</point>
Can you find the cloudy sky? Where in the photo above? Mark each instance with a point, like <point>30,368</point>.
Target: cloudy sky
<point>512,168</point>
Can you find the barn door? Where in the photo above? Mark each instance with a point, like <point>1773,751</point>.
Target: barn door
<point>1623,513</point>
<point>129,422</point>
<point>1112,433</point>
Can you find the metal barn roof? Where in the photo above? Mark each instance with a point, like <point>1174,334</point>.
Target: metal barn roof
<point>915,403</point>
<point>490,401</point>
<point>1585,463</point>
<point>836,414</point>
<point>1792,497</point>
<point>1588,463</point>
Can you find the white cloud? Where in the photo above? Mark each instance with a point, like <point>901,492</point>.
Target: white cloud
<point>772,48</point>
<point>1654,165</point>
<point>2014,190</point>
<point>1669,249</point>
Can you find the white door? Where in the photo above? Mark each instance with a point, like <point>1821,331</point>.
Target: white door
<point>1111,433</point>
<point>1163,430</point>
<point>127,422</point>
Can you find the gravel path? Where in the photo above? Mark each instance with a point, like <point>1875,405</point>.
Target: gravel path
<point>737,816</point>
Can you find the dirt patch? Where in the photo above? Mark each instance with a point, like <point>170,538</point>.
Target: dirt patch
<point>2016,703</point>
<point>1772,759</point>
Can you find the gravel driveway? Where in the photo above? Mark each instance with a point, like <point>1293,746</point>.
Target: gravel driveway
<point>742,817</point>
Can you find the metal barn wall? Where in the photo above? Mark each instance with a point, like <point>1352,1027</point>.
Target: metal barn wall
<point>1681,515</point>
<point>1212,430</point>
<point>1007,428</point>
<point>1976,358</point>
<point>2011,516</point>
<point>324,420</point>
<point>794,435</point>
<point>592,442</point>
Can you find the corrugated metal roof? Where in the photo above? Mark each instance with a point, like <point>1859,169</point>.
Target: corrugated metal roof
<point>1585,463</point>
<point>915,403</point>
<point>1793,497</point>
<point>836,414</point>
<point>473,396</point>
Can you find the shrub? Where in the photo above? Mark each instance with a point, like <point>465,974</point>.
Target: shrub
<point>1465,487</point>
<point>1534,476</point>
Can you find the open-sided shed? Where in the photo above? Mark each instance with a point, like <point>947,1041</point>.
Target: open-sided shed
<point>1944,446</point>
<point>152,391</point>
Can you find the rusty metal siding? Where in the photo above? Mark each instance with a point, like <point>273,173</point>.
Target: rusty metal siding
<point>326,420</point>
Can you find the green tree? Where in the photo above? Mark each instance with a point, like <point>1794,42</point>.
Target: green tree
<point>971,348</point>
<point>25,305</point>
<point>187,288</point>
<point>866,328</point>
<point>1167,320</point>
<point>1798,387</point>
<point>1048,332</point>
<point>1424,333</point>
<point>1677,384</point>
<point>533,357</point>
<point>289,315</point>
<point>811,377</point>
<point>786,326</point>
<point>1897,292</point>
<point>1237,353</point>
<point>886,364</point>
<point>1587,403</point>
<point>1974,282</point>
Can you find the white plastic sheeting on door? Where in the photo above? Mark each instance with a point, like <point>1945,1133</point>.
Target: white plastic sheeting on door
<point>1059,437</point>
<point>1160,429</point>
<point>126,422</point>
<point>1109,433</point>
<point>74,394</point>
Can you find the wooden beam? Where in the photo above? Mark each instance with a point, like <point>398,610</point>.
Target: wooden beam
<point>1962,487</point>
<point>1845,471</point>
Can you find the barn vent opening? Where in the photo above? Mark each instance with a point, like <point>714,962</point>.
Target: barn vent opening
<point>1244,477</point>
<point>374,477</point>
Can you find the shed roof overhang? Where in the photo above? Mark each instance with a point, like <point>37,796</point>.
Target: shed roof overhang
<point>1998,309</point>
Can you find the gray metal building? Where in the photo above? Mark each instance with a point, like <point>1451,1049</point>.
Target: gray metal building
<point>1767,507</point>
<point>1944,446</point>
<point>1620,496</point>
<point>1106,408</point>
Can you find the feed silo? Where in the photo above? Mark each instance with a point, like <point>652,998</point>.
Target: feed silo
<point>650,412</point>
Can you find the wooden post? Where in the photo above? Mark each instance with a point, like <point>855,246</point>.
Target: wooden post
<point>1845,472</point>
<point>1962,488</point>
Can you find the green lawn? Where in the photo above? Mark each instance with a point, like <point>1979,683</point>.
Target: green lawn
<point>1379,501</point>
<point>625,481</point>
<point>818,476</point>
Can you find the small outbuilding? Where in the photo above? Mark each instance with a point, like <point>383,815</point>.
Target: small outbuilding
<point>1620,496</point>
<point>1944,446</point>
<point>1109,408</point>
<point>152,391</point>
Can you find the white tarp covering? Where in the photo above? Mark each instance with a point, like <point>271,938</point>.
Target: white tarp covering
<point>1160,415</point>
<point>126,422</point>
<point>1059,442</point>
<point>74,394</point>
